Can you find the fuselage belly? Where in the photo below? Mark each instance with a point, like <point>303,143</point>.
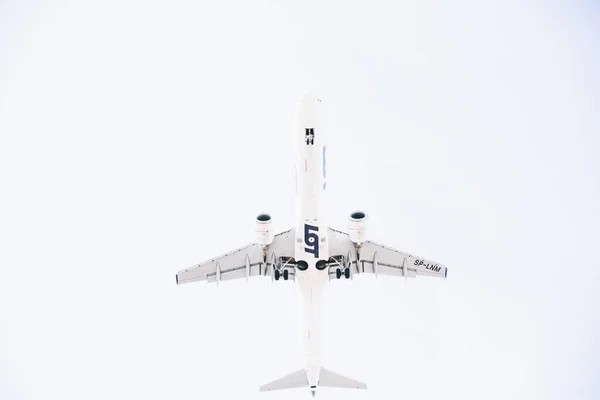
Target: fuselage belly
<point>311,239</point>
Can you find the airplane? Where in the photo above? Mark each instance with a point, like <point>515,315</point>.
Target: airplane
<point>311,253</point>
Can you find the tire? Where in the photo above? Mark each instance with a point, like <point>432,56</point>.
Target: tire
<point>286,274</point>
<point>347,273</point>
<point>302,265</point>
<point>277,274</point>
<point>338,273</point>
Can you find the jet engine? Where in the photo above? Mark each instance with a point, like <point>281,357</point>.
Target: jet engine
<point>357,227</point>
<point>264,230</point>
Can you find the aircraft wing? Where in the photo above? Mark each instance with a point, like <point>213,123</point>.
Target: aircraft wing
<point>244,262</point>
<point>378,259</point>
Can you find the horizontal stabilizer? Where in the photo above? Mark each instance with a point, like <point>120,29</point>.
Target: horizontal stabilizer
<point>294,380</point>
<point>331,379</point>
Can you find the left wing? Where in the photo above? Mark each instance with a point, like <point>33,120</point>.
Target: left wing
<point>244,262</point>
<point>375,258</point>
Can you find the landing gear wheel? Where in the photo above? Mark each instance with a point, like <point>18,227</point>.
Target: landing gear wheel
<point>347,273</point>
<point>338,273</point>
<point>286,274</point>
<point>277,274</point>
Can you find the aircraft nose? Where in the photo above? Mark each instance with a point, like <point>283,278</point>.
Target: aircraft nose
<point>308,98</point>
<point>313,392</point>
<point>306,118</point>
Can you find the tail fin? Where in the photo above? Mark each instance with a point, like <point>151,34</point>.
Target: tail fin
<point>299,379</point>
<point>331,379</point>
<point>294,380</point>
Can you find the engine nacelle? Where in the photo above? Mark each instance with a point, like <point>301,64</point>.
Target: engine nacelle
<point>264,230</point>
<point>357,227</point>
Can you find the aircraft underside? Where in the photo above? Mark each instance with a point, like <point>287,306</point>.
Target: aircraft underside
<point>311,253</point>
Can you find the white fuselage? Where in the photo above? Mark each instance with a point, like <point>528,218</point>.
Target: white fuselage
<point>311,242</point>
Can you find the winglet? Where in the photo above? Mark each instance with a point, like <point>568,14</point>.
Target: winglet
<point>177,278</point>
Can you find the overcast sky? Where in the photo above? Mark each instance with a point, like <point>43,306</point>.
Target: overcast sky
<point>140,137</point>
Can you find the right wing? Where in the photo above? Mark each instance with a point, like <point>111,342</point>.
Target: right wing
<point>244,262</point>
<point>377,259</point>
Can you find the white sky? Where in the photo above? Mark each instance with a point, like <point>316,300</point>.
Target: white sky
<point>138,138</point>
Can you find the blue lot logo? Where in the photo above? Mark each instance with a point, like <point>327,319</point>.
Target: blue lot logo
<point>311,239</point>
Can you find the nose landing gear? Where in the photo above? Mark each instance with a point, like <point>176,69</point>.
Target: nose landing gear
<point>309,136</point>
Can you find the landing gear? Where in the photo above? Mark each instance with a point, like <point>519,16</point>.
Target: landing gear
<point>309,136</point>
<point>345,272</point>
<point>285,274</point>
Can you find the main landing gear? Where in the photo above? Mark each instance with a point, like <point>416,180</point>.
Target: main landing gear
<point>345,272</point>
<point>285,274</point>
<point>343,266</point>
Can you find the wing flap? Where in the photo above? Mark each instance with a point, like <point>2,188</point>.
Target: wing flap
<point>245,261</point>
<point>378,259</point>
<point>229,265</point>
